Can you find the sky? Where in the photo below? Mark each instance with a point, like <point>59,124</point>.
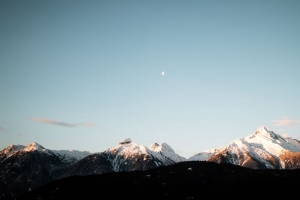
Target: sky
<point>85,75</point>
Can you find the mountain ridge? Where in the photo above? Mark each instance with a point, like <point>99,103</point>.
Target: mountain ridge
<point>24,168</point>
<point>27,167</point>
<point>263,149</point>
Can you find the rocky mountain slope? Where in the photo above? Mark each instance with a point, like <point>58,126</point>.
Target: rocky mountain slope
<point>23,168</point>
<point>126,156</point>
<point>67,156</point>
<point>262,150</point>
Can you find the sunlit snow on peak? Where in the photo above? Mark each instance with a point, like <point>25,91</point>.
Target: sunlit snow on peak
<point>34,146</point>
<point>167,151</point>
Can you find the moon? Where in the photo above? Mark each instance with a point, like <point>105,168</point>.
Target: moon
<point>163,73</point>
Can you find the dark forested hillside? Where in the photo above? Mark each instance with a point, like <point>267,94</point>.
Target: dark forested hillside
<point>187,180</point>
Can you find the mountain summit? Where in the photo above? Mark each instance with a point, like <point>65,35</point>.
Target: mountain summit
<point>263,149</point>
<point>33,147</point>
<point>125,141</point>
<point>166,150</point>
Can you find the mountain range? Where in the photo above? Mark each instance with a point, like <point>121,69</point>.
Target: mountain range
<point>24,168</point>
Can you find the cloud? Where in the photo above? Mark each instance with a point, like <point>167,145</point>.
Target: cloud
<point>49,121</point>
<point>64,124</point>
<point>2,129</point>
<point>88,124</point>
<point>285,121</point>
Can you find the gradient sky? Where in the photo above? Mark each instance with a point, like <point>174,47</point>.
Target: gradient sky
<point>86,74</point>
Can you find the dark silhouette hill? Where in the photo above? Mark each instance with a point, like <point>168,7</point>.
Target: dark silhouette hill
<point>186,180</point>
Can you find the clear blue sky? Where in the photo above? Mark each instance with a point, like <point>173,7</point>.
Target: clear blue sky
<point>86,74</point>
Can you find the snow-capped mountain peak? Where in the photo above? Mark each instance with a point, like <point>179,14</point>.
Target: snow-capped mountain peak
<point>34,146</point>
<point>164,147</point>
<point>10,150</point>
<point>127,155</point>
<point>125,141</point>
<point>127,147</point>
<point>167,151</point>
<point>154,147</point>
<point>69,156</point>
<point>264,131</point>
<point>262,149</point>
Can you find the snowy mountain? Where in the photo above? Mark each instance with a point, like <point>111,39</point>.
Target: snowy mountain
<point>165,150</point>
<point>126,156</point>
<point>10,150</point>
<point>23,168</point>
<point>202,156</point>
<point>262,150</point>
<point>129,156</point>
<point>67,156</point>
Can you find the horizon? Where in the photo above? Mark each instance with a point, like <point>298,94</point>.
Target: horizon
<point>82,150</point>
<point>196,75</point>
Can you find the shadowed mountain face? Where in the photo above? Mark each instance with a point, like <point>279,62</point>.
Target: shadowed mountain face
<point>93,164</point>
<point>109,162</point>
<point>25,171</point>
<point>23,168</point>
<point>186,180</point>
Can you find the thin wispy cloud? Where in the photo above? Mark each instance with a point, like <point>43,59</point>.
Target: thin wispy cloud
<point>64,124</point>
<point>88,124</point>
<point>2,129</point>
<point>53,122</point>
<point>285,121</point>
